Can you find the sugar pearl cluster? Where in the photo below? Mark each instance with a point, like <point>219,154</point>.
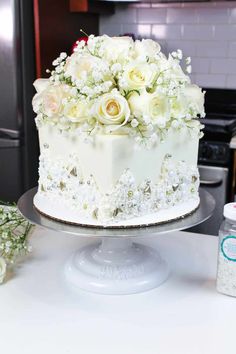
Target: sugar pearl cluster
<point>63,182</point>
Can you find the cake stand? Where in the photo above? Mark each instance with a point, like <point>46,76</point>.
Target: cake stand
<point>116,264</point>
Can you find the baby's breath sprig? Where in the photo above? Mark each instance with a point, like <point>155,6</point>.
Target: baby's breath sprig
<point>14,230</point>
<point>82,31</point>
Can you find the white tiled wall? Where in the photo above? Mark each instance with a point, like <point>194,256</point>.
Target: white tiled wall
<point>204,31</point>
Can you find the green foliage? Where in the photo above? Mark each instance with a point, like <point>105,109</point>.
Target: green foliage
<point>14,230</point>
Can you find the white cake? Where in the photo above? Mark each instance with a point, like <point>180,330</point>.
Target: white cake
<point>118,135</point>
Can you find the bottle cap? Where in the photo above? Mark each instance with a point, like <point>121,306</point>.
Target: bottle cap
<point>230,211</point>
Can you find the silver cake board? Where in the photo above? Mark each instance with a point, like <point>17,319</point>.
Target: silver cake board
<point>61,213</point>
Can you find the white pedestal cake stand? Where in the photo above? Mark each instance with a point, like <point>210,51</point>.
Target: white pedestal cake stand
<point>116,264</point>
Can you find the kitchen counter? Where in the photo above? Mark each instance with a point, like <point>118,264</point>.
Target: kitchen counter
<point>40,313</point>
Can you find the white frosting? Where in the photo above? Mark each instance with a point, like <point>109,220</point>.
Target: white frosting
<point>108,156</point>
<point>109,181</point>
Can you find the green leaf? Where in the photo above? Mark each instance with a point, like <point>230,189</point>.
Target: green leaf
<point>127,93</point>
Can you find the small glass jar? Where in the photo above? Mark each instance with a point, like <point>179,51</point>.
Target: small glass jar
<point>226,270</point>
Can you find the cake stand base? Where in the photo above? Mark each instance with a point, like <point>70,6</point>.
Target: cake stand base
<point>116,266</point>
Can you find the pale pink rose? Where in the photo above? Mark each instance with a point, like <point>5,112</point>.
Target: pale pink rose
<point>49,101</point>
<point>52,101</point>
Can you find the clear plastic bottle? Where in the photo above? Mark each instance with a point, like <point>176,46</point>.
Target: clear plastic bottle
<point>226,270</point>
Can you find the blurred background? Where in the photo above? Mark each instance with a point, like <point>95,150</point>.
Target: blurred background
<point>32,34</point>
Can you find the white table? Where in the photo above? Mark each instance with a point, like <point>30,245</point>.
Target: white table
<point>40,314</point>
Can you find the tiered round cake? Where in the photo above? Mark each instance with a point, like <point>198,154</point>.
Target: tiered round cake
<point>118,130</point>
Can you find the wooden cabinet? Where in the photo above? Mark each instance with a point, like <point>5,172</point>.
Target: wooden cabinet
<point>56,30</point>
<point>92,6</point>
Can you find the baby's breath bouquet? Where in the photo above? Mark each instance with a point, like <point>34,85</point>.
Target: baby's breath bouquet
<point>14,230</point>
<point>115,85</point>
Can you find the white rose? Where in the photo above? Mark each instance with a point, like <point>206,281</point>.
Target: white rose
<point>155,106</point>
<point>112,109</point>
<point>174,71</point>
<point>41,84</point>
<point>139,75</point>
<point>178,74</point>
<point>80,66</point>
<point>195,97</point>
<point>36,102</point>
<point>117,49</point>
<point>76,111</point>
<point>159,108</point>
<point>146,48</point>
<point>179,107</point>
<point>3,268</point>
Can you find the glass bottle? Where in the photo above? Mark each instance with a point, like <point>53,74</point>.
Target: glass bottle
<point>226,269</point>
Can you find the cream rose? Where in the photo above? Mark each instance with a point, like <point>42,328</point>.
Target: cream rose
<point>76,111</point>
<point>137,75</point>
<point>146,48</point>
<point>154,106</point>
<point>117,49</point>
<point>195,97</point>
<point>112,109</point>
<point>3,268</point>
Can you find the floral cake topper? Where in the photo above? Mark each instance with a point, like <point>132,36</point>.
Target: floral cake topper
<point>115,85</point>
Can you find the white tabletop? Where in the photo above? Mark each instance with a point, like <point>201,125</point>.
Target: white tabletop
<point>40,314</point>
